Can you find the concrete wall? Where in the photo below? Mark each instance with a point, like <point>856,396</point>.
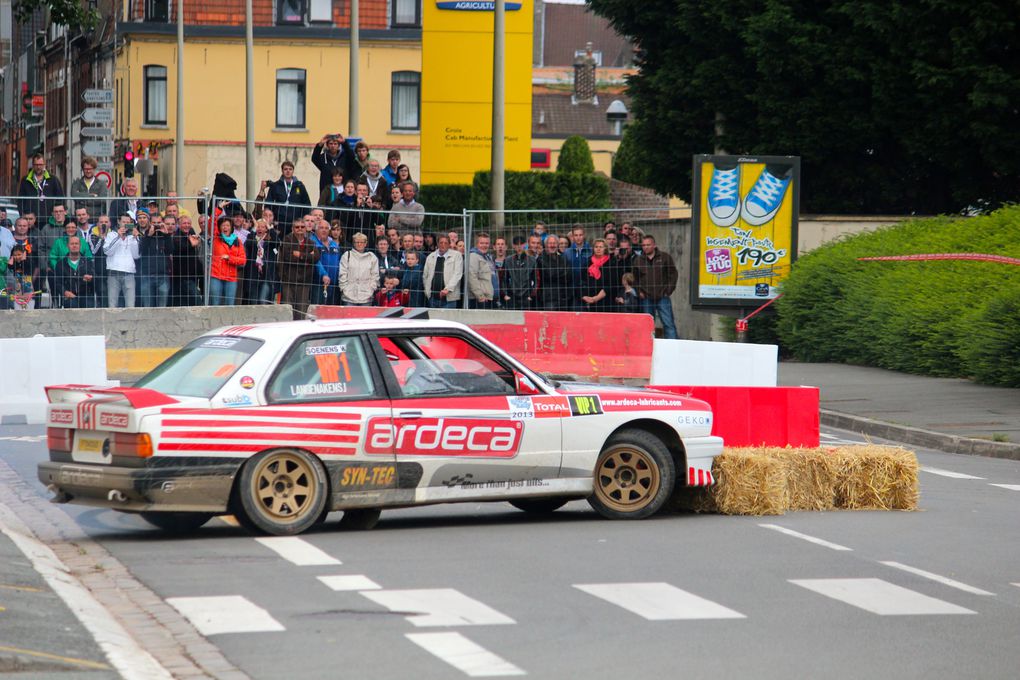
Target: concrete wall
<point>815,230</point>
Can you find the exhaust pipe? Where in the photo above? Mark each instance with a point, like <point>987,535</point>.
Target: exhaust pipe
<point>116,496</point>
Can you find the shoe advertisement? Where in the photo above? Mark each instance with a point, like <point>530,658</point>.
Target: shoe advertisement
<point>745,228</point>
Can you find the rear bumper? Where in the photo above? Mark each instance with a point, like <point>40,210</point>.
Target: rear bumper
<point>134,489</point>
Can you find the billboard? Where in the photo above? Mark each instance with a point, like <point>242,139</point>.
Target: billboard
<point>744,222</point>
<point>456,96</point>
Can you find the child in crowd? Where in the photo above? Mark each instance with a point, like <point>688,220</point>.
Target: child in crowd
<point>389,295</point>
<point>628,300</point>
<point>411,281</point>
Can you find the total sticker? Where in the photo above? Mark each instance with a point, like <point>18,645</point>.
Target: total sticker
<point>247,382</point>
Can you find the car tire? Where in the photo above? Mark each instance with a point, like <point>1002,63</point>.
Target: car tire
<point>177,522</point>
<point>634,476</point>
<point>539,506</point>
<point>360,519</point>
<point>282,492</point>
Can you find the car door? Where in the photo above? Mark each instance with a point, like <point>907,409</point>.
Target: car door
<point>456,412</point>
<point>324,391</point>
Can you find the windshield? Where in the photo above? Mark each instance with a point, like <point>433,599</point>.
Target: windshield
<point>201,368</point>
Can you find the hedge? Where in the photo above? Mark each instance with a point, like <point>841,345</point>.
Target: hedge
<point>538,192</point>
<point>941,318</point>
<point>445,198</point>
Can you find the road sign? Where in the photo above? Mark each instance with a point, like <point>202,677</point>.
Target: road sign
<point>95,96</point>
<point>97,116</point>
<point>96,132</point>
<point>98,147</point>
<point>105,165</point>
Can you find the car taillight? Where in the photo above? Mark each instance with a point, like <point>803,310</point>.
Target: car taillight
<point>59,438</point>
<point>124,444</point>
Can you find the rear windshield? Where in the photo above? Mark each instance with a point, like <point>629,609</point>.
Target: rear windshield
<point>201,368</point>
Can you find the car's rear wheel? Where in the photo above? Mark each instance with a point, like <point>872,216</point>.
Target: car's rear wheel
<point>177,522</point>
<point>360,519</point>
<point>282,492</point>
<point>634,476</point>
<point>539,506</point>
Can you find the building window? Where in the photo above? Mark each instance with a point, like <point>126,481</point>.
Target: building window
<point>290,12</point>
<point>406,101</point>
<point>157,10</point>
<point>290,98</point>
<point>320,11</point>
<point>155,95</point>
<point>405,13</point>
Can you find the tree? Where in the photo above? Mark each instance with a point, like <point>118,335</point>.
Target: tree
<point>62,12</point>
<point>575,156</point>
<point>892,105</point>
<point>629,161</point>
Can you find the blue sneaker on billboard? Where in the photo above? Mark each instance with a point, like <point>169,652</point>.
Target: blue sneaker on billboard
<point>762,203</point>
<point>723,196</point>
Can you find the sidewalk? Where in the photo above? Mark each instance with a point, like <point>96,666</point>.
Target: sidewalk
<point>948,414</point>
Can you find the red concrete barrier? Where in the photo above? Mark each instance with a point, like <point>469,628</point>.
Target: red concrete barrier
<point>759,416</point>
<point>588,344</point>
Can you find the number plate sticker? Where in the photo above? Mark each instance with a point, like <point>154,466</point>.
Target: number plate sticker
<point>90,447</point>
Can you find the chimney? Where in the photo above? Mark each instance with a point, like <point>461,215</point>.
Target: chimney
<point>584,78</point>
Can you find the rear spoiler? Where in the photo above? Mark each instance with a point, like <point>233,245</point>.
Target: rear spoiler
<point>137,397</point>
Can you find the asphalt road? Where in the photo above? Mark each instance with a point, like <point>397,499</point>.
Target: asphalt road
<point>463,590</point>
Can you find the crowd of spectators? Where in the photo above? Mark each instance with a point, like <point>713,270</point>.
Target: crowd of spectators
<point>361,243</point>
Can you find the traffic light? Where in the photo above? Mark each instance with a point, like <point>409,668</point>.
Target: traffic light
<point>129,164</point>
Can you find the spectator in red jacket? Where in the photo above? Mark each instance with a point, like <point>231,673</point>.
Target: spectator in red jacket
<point>227,258</point>
<point>390,295</point>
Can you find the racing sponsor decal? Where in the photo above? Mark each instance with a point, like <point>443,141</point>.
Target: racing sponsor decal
<point>62,416</point>
<point>220,342</point>
<point>318,388</point>
<point>585,405</point>
<point>367,477</point>
<point>694,419</point>
<point>237,400</point>
<point>247,382</point>
<point>467,482</point>
<point>113,420</point>
<point>329,367</point>
<point>641,403</point>
<point>523,408</point>
<point>470,437</point>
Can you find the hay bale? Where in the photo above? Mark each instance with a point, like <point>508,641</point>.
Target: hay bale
<point>877,478</point>
<point>772,480</point>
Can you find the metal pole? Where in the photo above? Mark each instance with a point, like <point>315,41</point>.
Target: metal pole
<point>179,150</point>
<point>251,183</point>
<point>68,172</point>
<point>498,48</point>
<point>352,117</point>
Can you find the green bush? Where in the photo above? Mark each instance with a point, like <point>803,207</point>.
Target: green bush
<point>575,156</point>
<point>938,317</point>
<point>445,198</point>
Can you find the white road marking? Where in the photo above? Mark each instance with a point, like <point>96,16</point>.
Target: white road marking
<point>810,539</point>
<point>1015,584</point>
<point>1011,487</point>
<point>659,601</point>
<point>298,551</point>
<point>120,648</point>
<point>939,579</point>
<point>225,614</point>
<point>947,473</point>
<point>25,438</point>
<point>438,607</point>
<point>879,597</point>
<point>464,655</point>
<point>352,582</point>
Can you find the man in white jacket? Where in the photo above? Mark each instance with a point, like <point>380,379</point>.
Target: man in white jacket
<point>444,271</point>
<point>121,248</point>
<point>359,273</point>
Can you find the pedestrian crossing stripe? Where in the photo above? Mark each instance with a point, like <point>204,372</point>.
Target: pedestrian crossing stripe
<point>659,601</point>
<point>879,597</point>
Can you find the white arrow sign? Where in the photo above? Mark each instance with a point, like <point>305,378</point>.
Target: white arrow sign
<point>98,147</point>
<point>97,96</point>
<point>97,116</point>
<point>96,132</point>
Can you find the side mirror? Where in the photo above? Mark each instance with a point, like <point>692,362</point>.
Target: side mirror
<point>524,386</point>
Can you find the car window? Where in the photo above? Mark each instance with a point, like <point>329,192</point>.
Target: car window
<point>323,369</point>
<point>447,365</point>
<point>202,367</point>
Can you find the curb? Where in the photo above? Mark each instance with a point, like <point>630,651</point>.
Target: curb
<point>917,437</point>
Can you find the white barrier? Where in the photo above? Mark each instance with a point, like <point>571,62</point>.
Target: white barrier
<point>723,364</point>
<point>29,364</point>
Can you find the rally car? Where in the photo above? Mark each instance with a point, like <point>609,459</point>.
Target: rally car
<point>282,423</point>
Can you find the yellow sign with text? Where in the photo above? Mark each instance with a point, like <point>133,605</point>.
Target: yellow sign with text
<point>456,98</point>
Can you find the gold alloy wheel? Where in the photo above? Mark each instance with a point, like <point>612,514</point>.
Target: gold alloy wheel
<point>626,479</point>
<point>284,487</point>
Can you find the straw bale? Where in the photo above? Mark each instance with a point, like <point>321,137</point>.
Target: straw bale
<point>772,480</point>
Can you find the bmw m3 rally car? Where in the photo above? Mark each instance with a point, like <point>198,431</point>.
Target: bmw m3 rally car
<point>282,423</point>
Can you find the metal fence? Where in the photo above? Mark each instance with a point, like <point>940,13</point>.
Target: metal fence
<point>194,250</point>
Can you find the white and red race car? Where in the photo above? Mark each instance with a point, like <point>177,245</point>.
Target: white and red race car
<point>282,423</point>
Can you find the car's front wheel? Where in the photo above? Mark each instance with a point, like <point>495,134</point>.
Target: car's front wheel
<point>282,492</point>
<point>634,476</point>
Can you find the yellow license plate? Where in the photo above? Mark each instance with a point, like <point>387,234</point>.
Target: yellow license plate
<point>90,445</point>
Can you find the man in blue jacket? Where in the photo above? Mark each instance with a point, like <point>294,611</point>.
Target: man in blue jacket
<point>327,269</point>
<point>578,256</point>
